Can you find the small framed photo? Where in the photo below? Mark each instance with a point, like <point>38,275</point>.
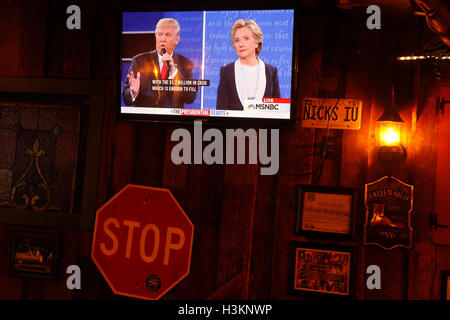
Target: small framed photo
<point>326,211</point>
<point>445,285</point>
<point>322,270</point>
<point>34,254</point>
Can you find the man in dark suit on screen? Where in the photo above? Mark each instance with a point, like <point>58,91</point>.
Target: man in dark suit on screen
<point>162,63</point>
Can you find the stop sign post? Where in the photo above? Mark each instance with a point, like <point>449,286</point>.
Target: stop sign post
<point>142,242</point>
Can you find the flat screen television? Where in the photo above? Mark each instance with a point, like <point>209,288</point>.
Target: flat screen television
<point>235,66</point>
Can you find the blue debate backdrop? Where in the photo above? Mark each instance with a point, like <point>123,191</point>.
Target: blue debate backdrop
<point>205,38</point>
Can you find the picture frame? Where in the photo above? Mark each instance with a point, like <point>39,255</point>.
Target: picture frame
<point>87,96</point>
<point>321,270</point>
<point>445,285</point>
<point>34,254</point>
<point>326,211</point>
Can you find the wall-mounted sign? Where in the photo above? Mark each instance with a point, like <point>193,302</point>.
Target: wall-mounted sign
<point>389,203</point>
<point>142,242</point>
<point>331,113</point>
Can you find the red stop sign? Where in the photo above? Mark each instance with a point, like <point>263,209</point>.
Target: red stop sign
<point>142,242</point>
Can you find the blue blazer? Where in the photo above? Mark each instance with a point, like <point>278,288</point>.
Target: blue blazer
<point>227,95</point>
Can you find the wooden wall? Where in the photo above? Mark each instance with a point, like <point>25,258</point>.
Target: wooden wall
<point>244,222</point>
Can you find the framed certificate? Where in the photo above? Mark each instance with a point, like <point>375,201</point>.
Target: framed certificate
<point>326,210</point>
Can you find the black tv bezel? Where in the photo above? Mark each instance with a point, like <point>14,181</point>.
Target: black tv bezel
<point>213,120</point>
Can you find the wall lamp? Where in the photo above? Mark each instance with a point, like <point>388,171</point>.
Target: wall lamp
<point>391,135</point>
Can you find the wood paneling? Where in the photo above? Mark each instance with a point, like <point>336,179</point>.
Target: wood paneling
<point>442,234</point>
<point>32,39</point>
<point>262,242</point>
<point>236,234</point>
<point>296,158</point>
<point>244,222</point>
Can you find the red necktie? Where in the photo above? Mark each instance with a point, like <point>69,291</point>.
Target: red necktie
<point>163,75</point>
<point>164,72</point>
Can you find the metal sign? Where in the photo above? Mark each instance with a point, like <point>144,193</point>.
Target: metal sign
<point>389,204</point>
<point>331,113</point>
<point>142,242</point>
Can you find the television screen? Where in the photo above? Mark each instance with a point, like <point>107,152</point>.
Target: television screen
<point>207,64</point>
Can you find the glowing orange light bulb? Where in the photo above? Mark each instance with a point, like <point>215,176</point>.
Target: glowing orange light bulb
<point>390,136</point>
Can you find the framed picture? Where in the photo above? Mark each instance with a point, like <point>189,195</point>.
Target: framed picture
<point>50,142</point>
<point>34,254</point>
<point>322,270</point>
<point>326,210</point>
<point>445,285</point>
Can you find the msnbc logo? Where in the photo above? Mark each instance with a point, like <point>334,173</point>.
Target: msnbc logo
<point>251,106</point>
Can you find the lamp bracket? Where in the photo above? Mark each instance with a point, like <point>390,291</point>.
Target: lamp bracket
<point>392,153</point>
<point>434,222</point>
<point>329,147</point>
<point>440,105</point>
